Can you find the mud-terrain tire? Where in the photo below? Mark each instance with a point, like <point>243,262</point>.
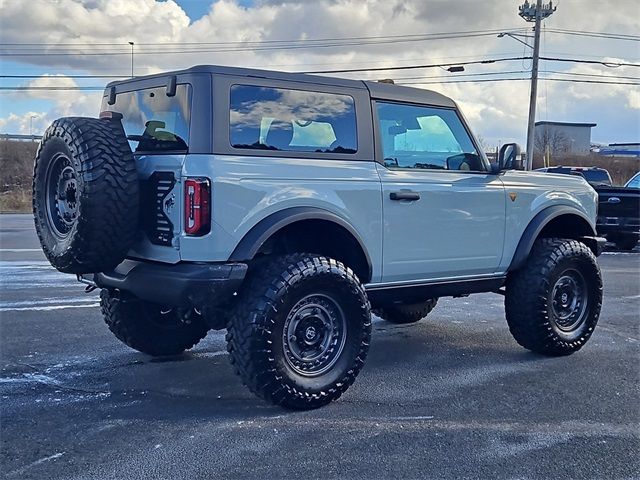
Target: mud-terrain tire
<point>402,313</point>
<point>625,242</point>
<point>300,332</point>
<point>85,194</point>
<point>148,327</point>
<point>553,302</point>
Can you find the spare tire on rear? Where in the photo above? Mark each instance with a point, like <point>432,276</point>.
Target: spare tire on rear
<point>85,194</point>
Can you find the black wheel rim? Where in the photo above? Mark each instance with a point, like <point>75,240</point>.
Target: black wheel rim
<point>61,195</point>
<point>314,335</point>
<point>569,301</point>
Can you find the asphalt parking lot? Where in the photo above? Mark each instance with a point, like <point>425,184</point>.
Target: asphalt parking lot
<point>451,397</point>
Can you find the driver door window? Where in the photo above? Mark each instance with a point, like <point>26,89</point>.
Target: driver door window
<point>425,138</point>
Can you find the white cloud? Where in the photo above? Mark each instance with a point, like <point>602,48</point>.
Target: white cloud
<point>65,103</point>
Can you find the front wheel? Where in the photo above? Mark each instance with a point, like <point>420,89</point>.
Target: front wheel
<point>553,302</point>
<point>300,332</point>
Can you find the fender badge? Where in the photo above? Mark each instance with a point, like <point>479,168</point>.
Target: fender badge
<point>512,196</point>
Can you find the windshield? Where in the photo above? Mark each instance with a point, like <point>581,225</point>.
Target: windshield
<point>634,182</point>
<point>153,121</point>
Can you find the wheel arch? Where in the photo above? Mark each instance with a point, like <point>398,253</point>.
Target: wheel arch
<point>310,229</point>
<point>555,221</point>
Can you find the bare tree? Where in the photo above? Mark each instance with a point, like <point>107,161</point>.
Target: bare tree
<point>552,141</point>
<point>482,143</point>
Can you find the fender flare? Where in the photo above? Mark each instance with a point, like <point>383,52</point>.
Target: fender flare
<point>536,225</point>
<point>265,228</point>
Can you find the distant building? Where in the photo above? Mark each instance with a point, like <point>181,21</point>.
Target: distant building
<point>621,150</point>
<point>563,137</point>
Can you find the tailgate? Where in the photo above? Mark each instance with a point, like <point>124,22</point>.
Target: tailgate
<point>160,208</point>
<point>618,202</point>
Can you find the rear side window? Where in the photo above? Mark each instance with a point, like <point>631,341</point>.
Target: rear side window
<point>153,121</point>
<point>265,118</point>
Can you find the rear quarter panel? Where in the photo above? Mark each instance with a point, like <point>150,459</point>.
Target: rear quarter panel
<point>247,189</point>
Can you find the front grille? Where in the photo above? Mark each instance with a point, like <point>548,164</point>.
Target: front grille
<point>156,199</point>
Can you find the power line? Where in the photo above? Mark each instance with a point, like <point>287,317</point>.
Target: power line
<point>583,33</point>
<point>409,67</point>
<point>63,76</point>
<point>484,80</point>
<point>390,68</point>
<point>593,62</point>
<point>513,72</point>
<point>421,77</point>
<point>23,88</point>
<point>475,62</point>
<point>432,82</point>
<point>577,74</point>
<point>253,46</point>
<point>269,42</point>
<point>325,39</point>
<point>508,72</point>
<point>589,81</point>
<point>519,79</point>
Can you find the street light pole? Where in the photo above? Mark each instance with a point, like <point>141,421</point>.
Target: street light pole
<point>31,126</point>
<point>131,43</point>
<point>534,14</point>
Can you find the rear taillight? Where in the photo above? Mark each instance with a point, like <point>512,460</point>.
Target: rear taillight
<point>197,211</point>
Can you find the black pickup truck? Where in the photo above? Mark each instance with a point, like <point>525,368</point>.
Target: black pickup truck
<point>618,207</point>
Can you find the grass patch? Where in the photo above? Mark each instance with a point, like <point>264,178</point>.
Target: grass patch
<point>15,201</point>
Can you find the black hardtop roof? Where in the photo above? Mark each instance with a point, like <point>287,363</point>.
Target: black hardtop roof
<point>379,90</point>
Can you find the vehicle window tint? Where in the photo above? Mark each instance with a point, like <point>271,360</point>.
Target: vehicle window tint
<point>597,176</point>
<point>634,182</point>
<point>267,118</point>
<point>153,121</point>
<point>425,138</point>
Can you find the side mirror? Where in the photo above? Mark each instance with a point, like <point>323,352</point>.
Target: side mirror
<point>509,157</point>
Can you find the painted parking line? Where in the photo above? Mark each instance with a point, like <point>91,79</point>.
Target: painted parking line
<point>18,250</point>
<point>45,308</point>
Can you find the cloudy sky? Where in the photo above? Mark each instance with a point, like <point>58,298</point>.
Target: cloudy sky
<point>52,40</point>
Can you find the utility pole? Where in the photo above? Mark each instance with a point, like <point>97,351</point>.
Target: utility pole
<point>535,14</point>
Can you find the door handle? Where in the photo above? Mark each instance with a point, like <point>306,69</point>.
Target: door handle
<point>404,195</point>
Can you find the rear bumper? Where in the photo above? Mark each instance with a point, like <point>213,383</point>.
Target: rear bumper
<point>618,225</point>
<point>182,284</point>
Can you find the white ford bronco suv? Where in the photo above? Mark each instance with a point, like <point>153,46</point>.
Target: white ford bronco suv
<point>287,207</point>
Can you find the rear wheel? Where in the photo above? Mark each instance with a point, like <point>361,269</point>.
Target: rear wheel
<point>300,333</point>
<point>151,328</point>
<point>553,302</point>
<point>406,313</point>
